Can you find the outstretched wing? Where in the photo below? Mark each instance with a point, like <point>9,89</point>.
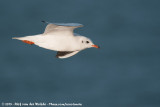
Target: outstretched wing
<point>66,54</point>
<point>61,28</point>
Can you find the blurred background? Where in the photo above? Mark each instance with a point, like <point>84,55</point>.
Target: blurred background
<point>125,72</point>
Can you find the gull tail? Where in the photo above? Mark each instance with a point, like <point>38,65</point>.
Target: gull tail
<point>31,38</point>
<point>28,39</point>
<point>24,39</point>
<point>19,38</point>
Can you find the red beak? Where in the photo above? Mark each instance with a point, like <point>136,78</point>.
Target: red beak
<point>96,46</point>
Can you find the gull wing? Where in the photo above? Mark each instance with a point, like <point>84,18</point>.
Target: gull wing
<point>66,54</point>
<point>61,28</point>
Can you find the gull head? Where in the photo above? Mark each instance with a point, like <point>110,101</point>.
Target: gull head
<point>86,42</point>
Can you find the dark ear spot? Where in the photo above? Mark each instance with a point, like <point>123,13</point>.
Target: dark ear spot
<point>87,41</point>
<point>82,41</point>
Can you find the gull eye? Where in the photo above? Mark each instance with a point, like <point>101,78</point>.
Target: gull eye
<point>87,41</point>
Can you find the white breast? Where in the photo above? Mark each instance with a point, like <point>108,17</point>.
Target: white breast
<point>57,43</point>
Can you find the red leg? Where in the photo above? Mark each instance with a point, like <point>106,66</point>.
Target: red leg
<point>28,42</point>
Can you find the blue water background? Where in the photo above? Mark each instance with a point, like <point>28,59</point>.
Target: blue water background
<point>125,72</point>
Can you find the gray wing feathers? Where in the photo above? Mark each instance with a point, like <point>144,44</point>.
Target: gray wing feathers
<point>60,27</point>
<point>49,28</point>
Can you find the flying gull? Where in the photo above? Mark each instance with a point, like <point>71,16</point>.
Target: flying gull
<point>61,38</point>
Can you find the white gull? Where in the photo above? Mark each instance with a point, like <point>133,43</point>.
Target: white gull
<point>60,37</point>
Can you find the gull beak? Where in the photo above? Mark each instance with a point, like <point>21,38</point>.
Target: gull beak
<point>95,46</point>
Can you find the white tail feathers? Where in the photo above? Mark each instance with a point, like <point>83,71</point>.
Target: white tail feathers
<point>18,38</point>
<point>22,38</point>
<point>30,38</point>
